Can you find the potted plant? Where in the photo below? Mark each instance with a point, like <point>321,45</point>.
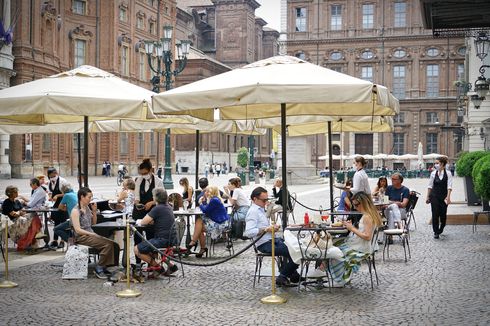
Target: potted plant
<point>242,162</point>
<point>464,168</point>
<point>481,179</point>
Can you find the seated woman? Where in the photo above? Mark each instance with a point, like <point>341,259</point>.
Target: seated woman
<point>358,243</point>
<point>380,189</point>
<point>82,218</point>
<point>238,198</point>
<point>277,205</point>
<point>26,226</point>
<point>345,198</point>
<point>126,196</point>
<point>213,222</point>
<point>188,190</point>
<point>165,235</point>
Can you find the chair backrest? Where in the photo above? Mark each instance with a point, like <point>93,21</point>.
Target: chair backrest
<point>292,199</point>
<point>175,200</point>
<point>412,200</point>
<point>313,243</point>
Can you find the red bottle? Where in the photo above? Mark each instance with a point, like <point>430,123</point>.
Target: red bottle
<point>306,219</point>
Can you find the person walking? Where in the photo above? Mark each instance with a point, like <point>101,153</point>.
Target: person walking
<point>439,194</point>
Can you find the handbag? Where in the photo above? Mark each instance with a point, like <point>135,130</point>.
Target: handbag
<point>76,263</point>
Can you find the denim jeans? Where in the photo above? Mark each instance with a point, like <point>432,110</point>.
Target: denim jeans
<point>280,249</point>
<point>61,230</point>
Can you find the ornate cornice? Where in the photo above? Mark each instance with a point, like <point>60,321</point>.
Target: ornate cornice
<point>79,32</point>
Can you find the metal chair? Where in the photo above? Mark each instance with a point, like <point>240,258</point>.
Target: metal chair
<point>370,258</point>
<point>403,235</point>
<point>224,236</point>
<point>412,202</point>
<point>476,215</point>
<point>259,257</point>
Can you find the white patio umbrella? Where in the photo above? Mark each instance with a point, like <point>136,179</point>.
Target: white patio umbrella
<point>280,86</point>
<point>433,156</point>
<point>74,96</point>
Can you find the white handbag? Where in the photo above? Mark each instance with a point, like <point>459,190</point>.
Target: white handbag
<point>76,263</point>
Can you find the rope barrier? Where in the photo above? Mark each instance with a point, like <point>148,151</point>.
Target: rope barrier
<point>196,264</point>
<point>321,209</point>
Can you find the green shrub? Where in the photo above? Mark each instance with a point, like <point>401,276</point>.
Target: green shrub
<point>464,166</point>
<point>481,177</point>
<point>242,158</point>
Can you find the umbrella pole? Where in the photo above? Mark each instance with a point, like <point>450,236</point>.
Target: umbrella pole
<point>285,192</point>
<point>197,160</point>
<point>79,152</point>
<point>85,150</point>
<point>330,162</point>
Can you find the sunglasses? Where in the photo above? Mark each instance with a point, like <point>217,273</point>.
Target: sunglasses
<point>264,200</point>
<point>355,203</point>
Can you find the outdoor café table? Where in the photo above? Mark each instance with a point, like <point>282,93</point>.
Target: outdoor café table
<point>355,215</point>
<point>110,227</point>
<point>196,212</point>
<point>44,211</point>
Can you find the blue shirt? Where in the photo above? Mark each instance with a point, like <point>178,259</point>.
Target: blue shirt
<point>397,194</point>
<point>38,198</point>
<point>70,200</point>
<point>257,220</point>
<point>215,210</point>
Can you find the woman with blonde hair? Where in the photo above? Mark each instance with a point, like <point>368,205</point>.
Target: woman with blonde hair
<point>359,242</point>
<point>212,222</point>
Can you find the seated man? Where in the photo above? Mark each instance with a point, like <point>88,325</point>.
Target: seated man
<point>162,218</point>
<point>67,204</point>
<point>257,223</point>
<point>398,195</point>
<point>277,205</point>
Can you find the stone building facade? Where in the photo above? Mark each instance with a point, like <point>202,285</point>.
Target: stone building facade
<point>385,42</point>
<point>54,36</point>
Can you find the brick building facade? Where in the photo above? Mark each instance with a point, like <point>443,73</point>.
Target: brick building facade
<point>385,42</point>
<point>54,36</point>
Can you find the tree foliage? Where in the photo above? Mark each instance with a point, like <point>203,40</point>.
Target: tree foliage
<point>481,177</point>
<point>464,166</point>
<point>242,158</point>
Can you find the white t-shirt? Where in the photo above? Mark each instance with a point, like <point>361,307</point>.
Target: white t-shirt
<point>240,197</point>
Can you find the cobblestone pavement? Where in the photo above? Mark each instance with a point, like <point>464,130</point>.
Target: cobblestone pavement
<point>444,283</point>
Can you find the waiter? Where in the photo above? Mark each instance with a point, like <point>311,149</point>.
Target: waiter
<point>55,195</point>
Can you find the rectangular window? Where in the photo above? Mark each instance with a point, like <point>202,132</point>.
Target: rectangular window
<point>142,65</point>
<point>152,28</point>
<point>460,71</point>
<point>153,146</point>
<point>399,118</point>
<point>367,16</point>
<point>431,143</point>
<point>300,19</point>
<point>46,143</point>
<point>432,117</point>
<point>398,143</point>
<point>79,7</point>
<point>79,53</point>
<point>367,73</point>
<point>75,142</point>
<point>336,18</point>
<point>123,143</point>
<point>124,60</point>
<point>140,23</point>
<point>123,14</point>
<point>336,68</point>
<point>432,81</point>
<point>141,143</point>
<point>399,82</point>
<point>400,14</point>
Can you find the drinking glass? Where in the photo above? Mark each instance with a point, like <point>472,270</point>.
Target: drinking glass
<point>185,204</point>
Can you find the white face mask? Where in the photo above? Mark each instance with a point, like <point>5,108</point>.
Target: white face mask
<point>147,176</point>
<point>437,166</point>
<point>53,179</point>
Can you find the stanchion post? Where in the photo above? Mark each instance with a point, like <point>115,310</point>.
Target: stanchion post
<point>273,298</point>
<point>128,293</point>
<point>7,283</point>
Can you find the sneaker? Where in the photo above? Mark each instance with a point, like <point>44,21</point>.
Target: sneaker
<point>172,269</point>
<point>99,272</point>
<point>282,281</point>
<point>316,273</point>
<point>106,271</point>
<point>295,278</point>
<point>53,244</point>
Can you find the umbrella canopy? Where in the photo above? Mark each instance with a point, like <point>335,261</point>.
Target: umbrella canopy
<point>433,156</point>
<point>281,86</point>
<point>256,90</point>
<point>71,95</point>
<point>408,157</point>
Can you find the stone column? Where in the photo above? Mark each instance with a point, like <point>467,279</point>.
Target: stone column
<point>6,71</point>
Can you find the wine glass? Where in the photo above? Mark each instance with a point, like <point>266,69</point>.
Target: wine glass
<point>185,204</point>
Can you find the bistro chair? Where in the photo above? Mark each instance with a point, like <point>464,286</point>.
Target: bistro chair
<point>370,258</point>
<point>259,257</point>
<point>225,237</point>
<point>402,234</point>
<point>314,244</point>
<point>412,202</point>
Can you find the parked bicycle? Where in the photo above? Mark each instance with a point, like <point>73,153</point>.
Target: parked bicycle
<point>121,173</point>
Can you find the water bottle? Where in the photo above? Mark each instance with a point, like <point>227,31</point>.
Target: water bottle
<point>306,219</point>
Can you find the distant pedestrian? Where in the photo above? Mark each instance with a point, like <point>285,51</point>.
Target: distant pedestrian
<point>225,171</point>
<point>206,170</point>
<point>439,194</point>
<point>104,168</point>
<point>218,169</point>
<point>108,169</point>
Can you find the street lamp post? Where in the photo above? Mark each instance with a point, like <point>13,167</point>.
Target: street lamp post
<point>162,50</point>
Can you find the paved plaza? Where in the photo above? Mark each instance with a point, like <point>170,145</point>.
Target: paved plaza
<point>444,283</point>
